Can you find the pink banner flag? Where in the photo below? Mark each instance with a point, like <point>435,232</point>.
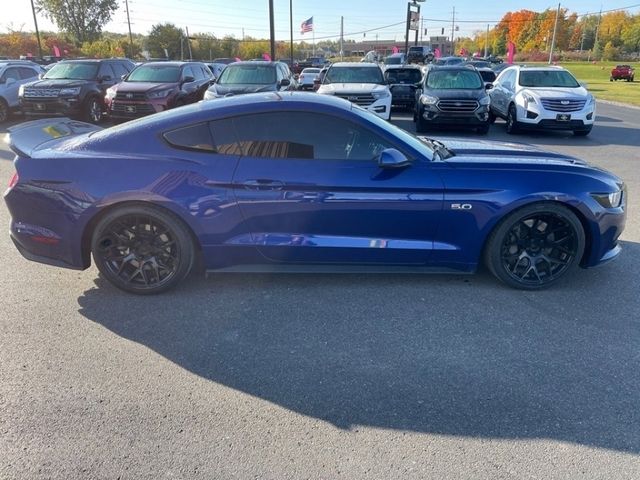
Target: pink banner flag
<point>56,51</point>
<point>395,50</point>
<point>511,51</point>
<point>237,59</point>
<point>266,57</point>
<point>436,53</point>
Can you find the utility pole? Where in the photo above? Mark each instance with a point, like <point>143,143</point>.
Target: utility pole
<point>553,40</point>
<point>35,22</point>
<point>126,3</point>
<point>453,30</point>
<point>291,31</point>
<point>406,35</point>
<point>595,40</point>
<point>341,38</point>
<point>189,43</point>
<point>272,31</point>
<point>421,29</point>
<point>486,43</point>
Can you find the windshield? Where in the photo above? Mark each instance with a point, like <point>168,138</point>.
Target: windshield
<point>248,75</point>
<point>405,75</point>
<point>73,71</point>
<point>354,75</point>
<point>393,60</point>
<point>155,74</point>
<point>487,75</point>
<point>548,78</point>
<point>454,80</point>
<point>311,70</point>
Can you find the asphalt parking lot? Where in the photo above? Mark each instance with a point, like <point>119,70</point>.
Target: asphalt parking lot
<point>329,376</point>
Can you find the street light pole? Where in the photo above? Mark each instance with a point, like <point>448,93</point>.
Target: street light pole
<point>272,31</point>
<point>35,21</point>
<point>291,29</point>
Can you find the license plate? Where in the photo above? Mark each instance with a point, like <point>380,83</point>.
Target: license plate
<point>563,117</point>
<point>40,106</point>
<point>131,109</point>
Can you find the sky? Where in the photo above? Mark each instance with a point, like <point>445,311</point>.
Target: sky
<point>251,17</point>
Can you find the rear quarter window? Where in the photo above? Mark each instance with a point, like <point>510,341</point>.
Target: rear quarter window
<point>194,137</point>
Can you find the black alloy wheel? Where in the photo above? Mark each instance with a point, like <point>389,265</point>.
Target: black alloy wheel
<point>421,124</point>
<point>4,111</point>
<point>535,246</point>
<point>93,111</point>
<point>512,120</point>
<point>142,249</point>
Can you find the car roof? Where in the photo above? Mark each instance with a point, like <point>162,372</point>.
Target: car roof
<point>170,64</point>
<point>458,67</point>
<point>538,67</point>
<point>255,62</point>
<point>24,63</point>
<point>355,64</point>
<point>402,67</point>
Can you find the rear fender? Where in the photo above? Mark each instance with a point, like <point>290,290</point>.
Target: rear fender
<point>26,138</point>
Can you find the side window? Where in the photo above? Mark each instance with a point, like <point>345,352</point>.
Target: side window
<point>11,73</point>
<point>26,73</point>
<point>188,72</point>
<point>306,136</point>
<point>119,70</point>
<point>193,137</point>
<point>105,70</point>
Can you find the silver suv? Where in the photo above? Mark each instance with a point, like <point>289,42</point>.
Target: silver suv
<point>542,98</point>
<point>14,73</point>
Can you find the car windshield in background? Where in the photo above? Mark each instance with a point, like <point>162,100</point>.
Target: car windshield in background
<point>248,75</point>
<point>311,70</point>
<point>393,61</point>
<point>408,75</point>
<point>155,74</point>
<point>73,71</point>
<point>354,75</point>
<point>547,78</point>
<point>454,79</point>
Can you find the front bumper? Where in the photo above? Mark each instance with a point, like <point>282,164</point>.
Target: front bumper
<point>134,109</point>
<point>65,107</point>
<point>476,118</point>
<point>532,115</point>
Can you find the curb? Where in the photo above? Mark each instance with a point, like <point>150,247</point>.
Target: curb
<point>617,104</point>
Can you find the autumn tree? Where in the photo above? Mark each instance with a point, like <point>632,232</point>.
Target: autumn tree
<point>83,19</point>
<point>165,39</point>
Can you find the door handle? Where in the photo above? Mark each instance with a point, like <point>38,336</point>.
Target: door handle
<point>263,184</point>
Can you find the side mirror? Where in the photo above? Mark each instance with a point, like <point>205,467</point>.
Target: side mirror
<point>104,78</point>
<point>488,86</point>
<point>124,77</point>
<point>188,79</point>
<point>285,82</point>
<point>392,158</point>
<point>583,84</point>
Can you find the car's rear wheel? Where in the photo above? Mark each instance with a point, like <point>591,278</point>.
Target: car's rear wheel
<point>512,120</point>
<point>4,110</point>
<point>142,249</point>
<point>535,246</point>
<point>93,110</point>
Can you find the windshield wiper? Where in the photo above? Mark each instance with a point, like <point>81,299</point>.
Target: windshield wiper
<point>438,147</point>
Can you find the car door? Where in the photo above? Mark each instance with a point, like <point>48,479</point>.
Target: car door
<point>310,189</point>
<point>10,84</point>
<point>502,92</point>
<point>189,89</point>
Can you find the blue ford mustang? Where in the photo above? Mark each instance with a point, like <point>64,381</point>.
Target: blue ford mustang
<point>300,182</point>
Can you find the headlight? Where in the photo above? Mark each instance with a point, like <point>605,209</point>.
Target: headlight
<point>70,92</point>
<point>110,93</point>
<point>21,90</point>
<point>485,100</point>
<point>609,200</point>
<point>428,100</point>
<point>529,98</point>
<point>160,94</point>
<point>591,100</point>
<point>380,94</point>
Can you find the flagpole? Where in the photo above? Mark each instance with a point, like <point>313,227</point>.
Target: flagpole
<point>313,31</point>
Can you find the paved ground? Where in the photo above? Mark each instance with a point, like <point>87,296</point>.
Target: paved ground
<point>329,376</point>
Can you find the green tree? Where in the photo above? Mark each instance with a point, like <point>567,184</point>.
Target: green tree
<point>610,52</point>
<point>165,36</point>
<point>82,19</point>
<point>596,54</point>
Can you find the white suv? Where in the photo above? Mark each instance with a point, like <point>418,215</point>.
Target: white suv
<point>362,84</point>
<point>542,98</point>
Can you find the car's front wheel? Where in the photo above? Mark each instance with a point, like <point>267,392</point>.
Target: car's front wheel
<point>512,120</point>
<point>421,124</point>
<point>142,249</point>
<point>4,111</point>
<point>93,110</point>
<point>582,133</point>
<point>535,246</point>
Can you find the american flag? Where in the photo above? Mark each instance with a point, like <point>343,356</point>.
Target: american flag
<point>307,26</point>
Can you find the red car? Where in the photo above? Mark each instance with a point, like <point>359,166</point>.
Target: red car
<point>157,86</point>
<point>622,72</point>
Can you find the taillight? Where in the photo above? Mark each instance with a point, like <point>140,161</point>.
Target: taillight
<point>14,180</point>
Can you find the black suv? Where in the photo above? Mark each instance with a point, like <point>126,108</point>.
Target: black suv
<point>454,96</point>
<point>419,54</point>
<point>74,88</point>
<point>403,82</point>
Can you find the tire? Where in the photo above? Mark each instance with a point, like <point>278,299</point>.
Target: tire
<point>492,117</point>
<point>535,246</point>
<point>512,120</point>
<point>582,133</point>
<point>93,110</point>
<point>4,110</point>
<point>421,125</point>
<point>611,79</point>
<point>142,249</point>
<point>483,130</point>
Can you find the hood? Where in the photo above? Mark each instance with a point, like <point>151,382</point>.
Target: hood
<point>557,92</point>
<point>351,88</point>
<point>485,151</point>
<point>461,94</point>
<point>144,87</point>
<point>239,89</point>
<point>61,83</point>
